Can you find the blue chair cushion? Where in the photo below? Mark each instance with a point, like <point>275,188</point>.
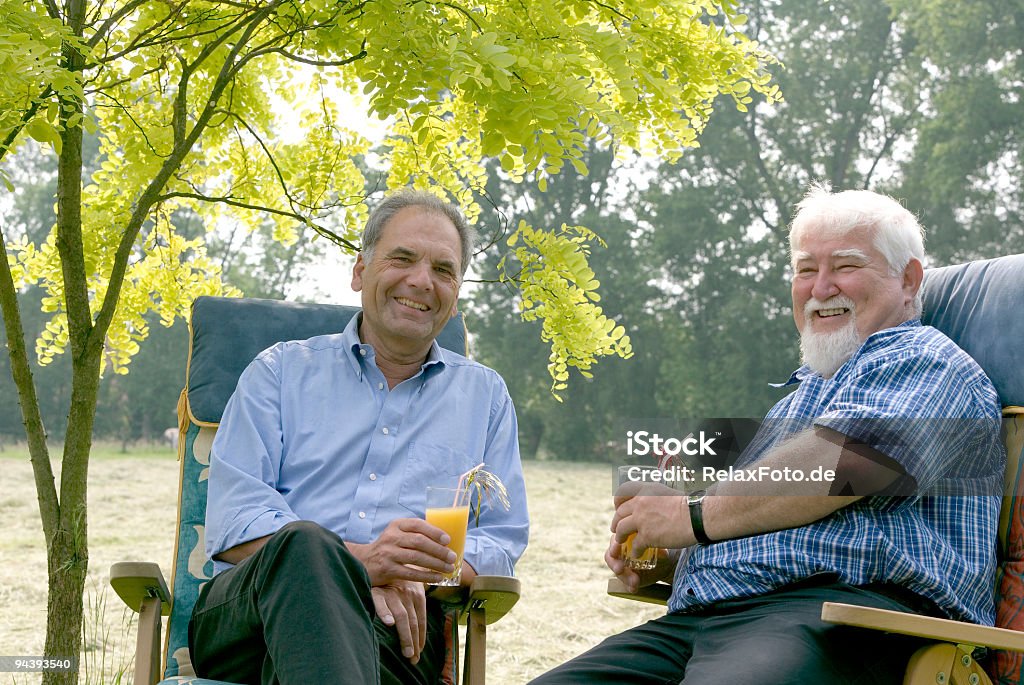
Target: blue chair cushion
<point>228,333</point>
<point>979,305</point>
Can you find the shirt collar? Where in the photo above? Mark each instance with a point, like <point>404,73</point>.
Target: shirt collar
<point>804,372</point>
<point>359,351</point>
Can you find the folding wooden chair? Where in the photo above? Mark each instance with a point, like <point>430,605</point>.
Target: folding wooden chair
<point>980,305</point>
<point>226,334</point>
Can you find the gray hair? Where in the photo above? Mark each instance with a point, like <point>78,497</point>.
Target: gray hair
<point>897,234</point>
<point>396,202</point>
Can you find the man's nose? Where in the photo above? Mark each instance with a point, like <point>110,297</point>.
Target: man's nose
<point>420,275</point>
<point>824,286</point>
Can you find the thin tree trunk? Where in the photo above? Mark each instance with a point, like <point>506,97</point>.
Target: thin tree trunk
<point>67,547</point>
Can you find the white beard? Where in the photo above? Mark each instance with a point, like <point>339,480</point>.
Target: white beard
<point>825,353</point>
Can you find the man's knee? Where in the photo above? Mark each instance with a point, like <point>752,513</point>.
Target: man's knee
<point>305,534</point>
<point>304,548</point>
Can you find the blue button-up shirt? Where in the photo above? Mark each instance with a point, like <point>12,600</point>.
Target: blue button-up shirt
<point>910,381</point>
<point>312,432</point>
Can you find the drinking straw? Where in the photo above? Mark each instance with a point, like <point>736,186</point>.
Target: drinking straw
<point>462,479</point>
<point>664,460</point>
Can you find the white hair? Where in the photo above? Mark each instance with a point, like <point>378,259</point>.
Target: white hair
<point>896,232</point>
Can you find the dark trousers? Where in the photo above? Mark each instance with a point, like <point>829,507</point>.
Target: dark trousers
<point>775,639</point>
<point>299,611</point>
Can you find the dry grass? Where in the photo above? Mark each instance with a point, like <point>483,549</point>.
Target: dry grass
<point>563,610</point>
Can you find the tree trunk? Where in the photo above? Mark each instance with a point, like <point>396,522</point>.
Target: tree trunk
<point>67,568</point>
<point>67,545</point>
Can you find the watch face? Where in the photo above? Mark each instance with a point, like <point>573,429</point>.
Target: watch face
<point>696,497</point>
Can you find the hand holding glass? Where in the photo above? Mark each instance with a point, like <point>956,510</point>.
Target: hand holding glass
<point>648,557</point>
<point>448,509</point>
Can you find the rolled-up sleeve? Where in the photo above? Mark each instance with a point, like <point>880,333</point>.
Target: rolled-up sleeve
<point>494,545</point>
<point>902,407</point>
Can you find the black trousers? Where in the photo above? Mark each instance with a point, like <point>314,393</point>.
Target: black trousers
<point>299,612</point>
<point>774,639</point>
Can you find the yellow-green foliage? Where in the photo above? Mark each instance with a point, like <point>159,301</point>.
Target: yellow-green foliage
<point>559,288</point>
<point>231,110</point>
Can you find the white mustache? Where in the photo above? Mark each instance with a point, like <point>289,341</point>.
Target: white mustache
<point>838,301</point>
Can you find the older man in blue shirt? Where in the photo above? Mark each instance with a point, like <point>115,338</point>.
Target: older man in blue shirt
<point>319,472</point>
<point>909,425</point>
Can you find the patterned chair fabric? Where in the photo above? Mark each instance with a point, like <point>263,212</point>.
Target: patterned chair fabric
<point>226,334</point>
<point>980,305</point>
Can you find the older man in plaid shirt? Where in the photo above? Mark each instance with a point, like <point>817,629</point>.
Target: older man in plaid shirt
<point>909,425</point>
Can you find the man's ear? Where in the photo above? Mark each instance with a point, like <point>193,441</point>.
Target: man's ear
<point>913,275</point>
<point>357,273</point>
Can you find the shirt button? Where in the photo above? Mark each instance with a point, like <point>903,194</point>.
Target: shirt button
<point>362,352</point>
<point>373,476</point>
<point>384,430</point>
<point>380,386</point>
<point>362,514</point>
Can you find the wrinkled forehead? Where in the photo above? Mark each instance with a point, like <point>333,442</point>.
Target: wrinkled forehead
<point>813,239</point>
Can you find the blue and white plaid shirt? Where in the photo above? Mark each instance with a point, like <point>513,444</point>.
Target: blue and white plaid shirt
<point>912,381</point>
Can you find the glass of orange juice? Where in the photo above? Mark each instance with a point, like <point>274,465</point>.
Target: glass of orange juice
<point>448,509</point>
<point>647,558</point>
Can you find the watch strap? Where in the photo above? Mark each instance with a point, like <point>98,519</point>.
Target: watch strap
<point>695,502</point>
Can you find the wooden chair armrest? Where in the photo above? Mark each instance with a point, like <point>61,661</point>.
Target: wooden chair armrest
<point>929,627</point>
<point>658,593</point>
<point>485,601</point>
<point>142,587</point>
<point>495,595</point>
<point>134,581</point>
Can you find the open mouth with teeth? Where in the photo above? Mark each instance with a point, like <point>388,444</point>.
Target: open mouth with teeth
<point>413,305</point>
<point>827,313</point>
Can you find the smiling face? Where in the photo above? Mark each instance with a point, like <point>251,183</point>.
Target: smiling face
<point>410,284</point>
<point>843,292</point>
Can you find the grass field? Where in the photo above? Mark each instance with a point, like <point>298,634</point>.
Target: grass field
<point>563,610</point>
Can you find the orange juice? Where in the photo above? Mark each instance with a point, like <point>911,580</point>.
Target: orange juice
<point>454,521</point>
<point>648,559</point>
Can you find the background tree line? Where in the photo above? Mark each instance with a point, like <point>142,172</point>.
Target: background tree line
<point>916,98</point>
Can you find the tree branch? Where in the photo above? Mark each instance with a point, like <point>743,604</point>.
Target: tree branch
<point>465,12</point>
<point>273,162</point>
<point>69,241</point>
<point>767,178</point>
<point>26,117</point>
<point>880,69</point>
<point>183,142</point>
<point>320,230</point>
<point>28,399</point>
<point>610,9</point>
<point>128,113</point>
<point>52,9</point>
<point>120,13</point>
<point>161,34</point>
<point>322,63</point>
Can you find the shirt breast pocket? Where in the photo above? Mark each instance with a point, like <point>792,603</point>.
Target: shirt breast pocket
<point>429,465</point>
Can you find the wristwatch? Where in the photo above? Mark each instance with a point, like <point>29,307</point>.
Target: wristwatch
<point>696,501</point>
